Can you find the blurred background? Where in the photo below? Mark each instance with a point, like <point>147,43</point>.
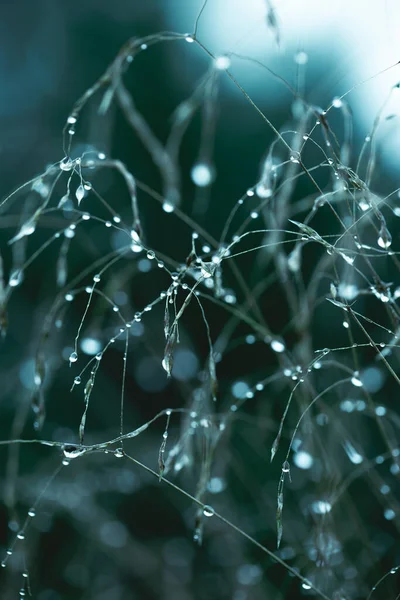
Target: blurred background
<point>105,529</point>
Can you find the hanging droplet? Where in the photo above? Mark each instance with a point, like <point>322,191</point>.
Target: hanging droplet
<point>295,157</point>
<point>71,451</point>
<point>32,512</point>
<point>73,357</point>
<point>385,238</point>
<point>355,380</point>
<point>168,207</point>
<point>294,260</point>
<point>16,278</point>
<point>208,511</point>
<point>66,164</point>
<point>80,193</point>
<point>119,453</point>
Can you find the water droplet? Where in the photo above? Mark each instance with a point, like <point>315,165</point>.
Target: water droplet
<point>321,507</point>
<point>150,255</point>
<point>222,62</point>
<point>21,535</point>
<point>294,260</point>
<point>80,193</point>
<point>16,278</point>
<point>277,346</point>
<point>306,586</point>
<point>119,453</point>
<point>168,207</point>
<point>189,39</point>
<point>354,456</point>
<point>295,157</point>
<point>96,278</point>
<point>355,380</point>
<point>385,238</point>
<point>71,119</point>
<point>32,512</point>
<point>303,460</point>
<point>208,511</point>
<point>263,190</point>
<point>301,58</point>
<point>337,103</point>
<point>66,164</point>
<point>389,514</point>
<point>202,174</point>
<point>71,451</point>
<point>73,357</point>
<point>347,258</point>
<point>286,467</point>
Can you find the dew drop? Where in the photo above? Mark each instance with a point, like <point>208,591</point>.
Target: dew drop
<point>70,451</point>
<point>337,102</point>
<point>295,157</point>
<point>119,453</point>
<point>80,193</point>
<point>66,164</point>
<point>222,62</point>
<point>202,174</point>
<point>301,58</point>
<point>277,346</point>
<point>208,511</point>
<point>356,381</point>
<point>385,238</point>
<point>263,191</point>
<point>73,357</point>
<point>21,535</point>
<point>168,207</point>
<point>32,512</point>
<point>16,278</point>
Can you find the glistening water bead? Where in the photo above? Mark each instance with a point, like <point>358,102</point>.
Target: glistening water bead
<point>208,511</point>
<point>71,451</point>
<point>202,174</point>
<point>73,357</point>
